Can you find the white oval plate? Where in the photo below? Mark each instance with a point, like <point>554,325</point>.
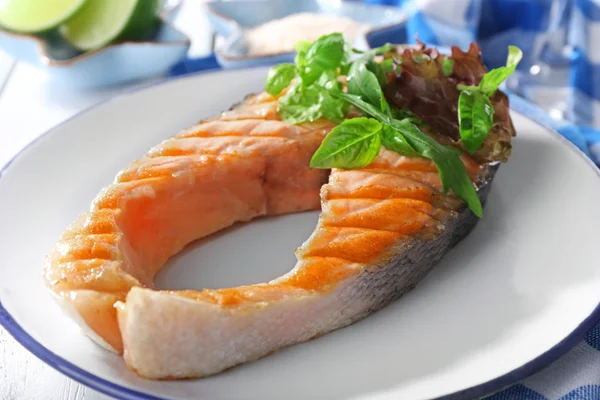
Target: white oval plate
<point>517,293</point>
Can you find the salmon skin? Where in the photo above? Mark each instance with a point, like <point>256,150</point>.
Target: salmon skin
<point>382,228</point>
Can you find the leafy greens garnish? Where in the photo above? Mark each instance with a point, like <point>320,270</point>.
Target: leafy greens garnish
<point>490,82</point>
<point>475,110</point>
<point>453,173</point>
<point>354,144</point>
<point>317,67</point>
<point>432,96</point>
<point>279,77</point>
<point>302,104</point>
<point>315,90</point>
<point>366,77</point>
<point>475,118</point>
<point>401,136</point>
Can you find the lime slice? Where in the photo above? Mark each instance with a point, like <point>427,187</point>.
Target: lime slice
<point>100,22</point>
<point>33,16</point>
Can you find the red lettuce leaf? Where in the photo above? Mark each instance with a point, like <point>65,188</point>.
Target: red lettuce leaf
<point>422,88</point>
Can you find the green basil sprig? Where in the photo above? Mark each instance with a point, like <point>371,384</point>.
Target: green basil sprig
<point>490,81</point>
<point>302,104</point>
<point>366,77</point>
<point>316,92</point>
<point>453,173</point>
<point>279,77</point>
<point>475,110</point>
<point>475,118</point>
<point>317,65</point>
<point>346,147</point>
<point>353,144</point>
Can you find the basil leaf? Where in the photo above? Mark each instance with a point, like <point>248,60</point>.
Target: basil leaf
<point>447,66</point>
<point>387,65</point>
<point>308,76</point>
<point>405,113</point>
<point>366,77</point>
<point>331,108</point>
<point>491,80</point>
<point>364,83</point>
<point>300,59</point>
<point>475,118</point>
<point>346,62</point>
<point>363,106</point>
<point>345,68</point>
<point>329,80</point>
<point>368,59</point>
<point>377,69</point>
<point>325,53</point>
<point>392,140</point>
<point>515,55</point>
<point>317,66</point>
<point>302,46</point>
<point>298,105</point>
<point>467,87</point>
<point>307,104</point>
<point>353,144</point>
<point>279,77</point>
<point>475,110</point>
<point>453,173</point>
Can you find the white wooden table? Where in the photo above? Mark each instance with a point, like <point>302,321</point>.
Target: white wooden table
<point>30,104</point>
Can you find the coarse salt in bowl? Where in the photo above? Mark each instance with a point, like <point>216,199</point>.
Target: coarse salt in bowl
<point>263,32</point>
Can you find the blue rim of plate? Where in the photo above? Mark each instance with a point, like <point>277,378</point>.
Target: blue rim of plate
<point>521,106</point>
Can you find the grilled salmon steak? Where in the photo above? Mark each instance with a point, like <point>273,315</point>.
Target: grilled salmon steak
<point>381,229</point>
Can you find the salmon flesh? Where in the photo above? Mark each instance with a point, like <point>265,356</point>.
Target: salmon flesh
<point>382,228</point>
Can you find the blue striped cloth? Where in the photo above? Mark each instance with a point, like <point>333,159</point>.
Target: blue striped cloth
<point>561,73</point>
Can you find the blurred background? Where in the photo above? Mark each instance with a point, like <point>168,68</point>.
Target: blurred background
<point>60,57</point>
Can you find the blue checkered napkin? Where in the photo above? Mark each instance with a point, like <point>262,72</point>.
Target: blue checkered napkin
<point>575,376</point>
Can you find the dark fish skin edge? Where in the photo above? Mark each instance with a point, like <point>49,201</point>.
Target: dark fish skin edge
<point>389,282</point>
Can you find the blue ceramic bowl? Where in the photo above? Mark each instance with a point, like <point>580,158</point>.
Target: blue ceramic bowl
<point>232,18</point>
<point>118,63</point>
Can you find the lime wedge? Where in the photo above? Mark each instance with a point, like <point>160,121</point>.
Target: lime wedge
<point>33,16</point>
<point>100,22</point>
